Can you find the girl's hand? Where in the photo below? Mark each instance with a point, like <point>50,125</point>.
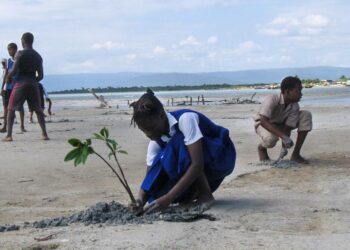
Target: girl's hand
<point>163,202</point>
<point>158,205</point>
<point>136,207</point>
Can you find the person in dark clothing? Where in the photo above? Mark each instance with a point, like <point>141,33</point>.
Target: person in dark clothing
<point>29,67</point>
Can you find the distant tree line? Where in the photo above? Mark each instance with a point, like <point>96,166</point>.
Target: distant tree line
<point>154,88</point>
<point>176,87</point>
<point>310,80</point>
<point>343,78</point>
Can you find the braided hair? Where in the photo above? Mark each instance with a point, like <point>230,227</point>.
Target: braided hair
<point>147,108</point>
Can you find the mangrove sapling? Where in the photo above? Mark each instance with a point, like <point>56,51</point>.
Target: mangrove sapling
<point>82,149</point>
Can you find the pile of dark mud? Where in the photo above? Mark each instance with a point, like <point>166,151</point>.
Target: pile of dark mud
<point>114,213</point>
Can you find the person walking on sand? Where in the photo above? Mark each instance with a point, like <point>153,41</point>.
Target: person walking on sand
<point>188,156</point>
<point>29,65</point>
<point>7,87</point>
<point>279,114</point>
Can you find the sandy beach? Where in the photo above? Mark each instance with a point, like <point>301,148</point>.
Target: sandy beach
<point>257,207</point>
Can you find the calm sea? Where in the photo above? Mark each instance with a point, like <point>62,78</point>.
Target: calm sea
<point>319,96</point>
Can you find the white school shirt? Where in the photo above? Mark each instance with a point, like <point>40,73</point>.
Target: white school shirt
<point>188,125</point>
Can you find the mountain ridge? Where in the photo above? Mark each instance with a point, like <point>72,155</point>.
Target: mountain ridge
<point>127,79</point>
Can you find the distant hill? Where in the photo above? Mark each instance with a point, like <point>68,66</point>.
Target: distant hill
<point>127,79</point>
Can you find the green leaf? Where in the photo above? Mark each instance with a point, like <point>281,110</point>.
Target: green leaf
<point>98,137</point>
<point>88,141</point>
<point>72,154</point>
<point>103,132</point>
<point>109,146</point>
<point>111,141</point>
<point>85,153</point>
<point>90,150</point>
<point>122,152</point>
<point>74,142</point>
<point>109,155</point>
<point>77,161</point>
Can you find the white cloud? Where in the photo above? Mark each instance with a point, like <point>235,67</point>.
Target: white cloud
<point>283,21</point>
<point>68,9</point>
<point>130,57</point>
<point>106,45</point>
<point>311,24</point>
<point>158,50</point>
<point>273,59</point>
<point>329,58</point>
<point>212,40</point>
<point>85,67</point>
<point>274,31</point>
<point>212,55</point>
<point>316,21</point>
<point>190,40</point>
<point>246,47</point>
<point>120,35</point>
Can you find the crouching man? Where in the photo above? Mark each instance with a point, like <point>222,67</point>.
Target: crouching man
<point>279,114</point>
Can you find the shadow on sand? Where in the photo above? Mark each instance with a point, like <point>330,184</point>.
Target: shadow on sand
<point>223,204</point>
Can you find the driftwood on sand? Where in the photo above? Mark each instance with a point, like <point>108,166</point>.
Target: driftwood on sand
<point>239,100</point>
<point>187,100</point>
<point>103,103</point>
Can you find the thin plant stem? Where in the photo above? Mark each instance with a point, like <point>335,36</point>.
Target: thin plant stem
<point>116,173</point>
<point>119,166</point>
<point>121,171</point>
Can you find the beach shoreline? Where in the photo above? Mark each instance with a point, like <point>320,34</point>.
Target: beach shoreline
<point>258,206</point>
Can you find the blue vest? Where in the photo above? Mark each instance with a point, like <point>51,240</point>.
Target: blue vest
<point>10,85</point>
<point>173,159</point>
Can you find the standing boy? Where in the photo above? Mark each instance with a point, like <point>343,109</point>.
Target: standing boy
<point>7,87</point>
<point>29,65</point>
<point>278,116</point>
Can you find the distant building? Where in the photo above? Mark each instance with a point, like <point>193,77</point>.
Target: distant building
<point>274,86</point>
<point>326,82</point>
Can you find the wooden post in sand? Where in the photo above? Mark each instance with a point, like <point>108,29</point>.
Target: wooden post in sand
<point>198,100</point>
<point>203,102</point>
<point>172,101</point>
<point>190,100</point>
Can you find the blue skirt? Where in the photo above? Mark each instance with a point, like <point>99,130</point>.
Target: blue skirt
<point>173,161</point>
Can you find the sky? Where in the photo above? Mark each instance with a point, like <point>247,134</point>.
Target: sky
<point>106,36</point>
